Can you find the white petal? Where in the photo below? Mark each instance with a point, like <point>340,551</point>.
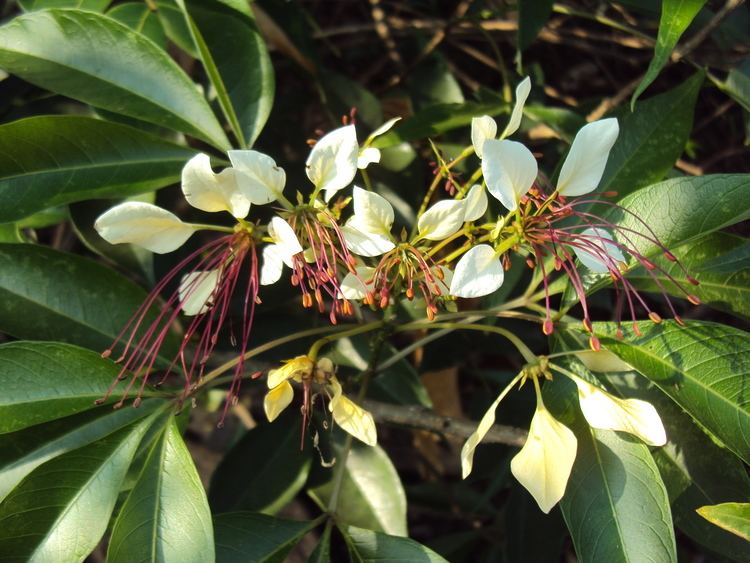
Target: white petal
<point>351,417</point>
<point>367,156</point>
<point>384,128</point>
<point>372,212</point>
<point>522,94</point>
<point>602,361</point>
<point>467,452</point>
<point>277,399</point>
<point>196,290</point>
<point>273,264</point>
<point>442,219</point>
<point>144,224</point>
<point>584,165</point>
<point>509,170</point>
<point>286,241</point>
<point>356,286</point>
<point>366,244</point>
<point>482,128</point>
<point>594,256</point>
<point>211,192</point>
<point>633,416</point>
<point>332,163</point>
<point>476,203</point>
<point>544,463</point>
<point>479,272</point>
<point>262,181</point>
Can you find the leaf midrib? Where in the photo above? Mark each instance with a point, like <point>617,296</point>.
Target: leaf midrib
<point>107,164</point>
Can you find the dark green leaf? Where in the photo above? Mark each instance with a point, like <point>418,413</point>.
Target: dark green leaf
<point>277,472</point>
<point>10,232</point>
<point>652,138</point>
<point>524,543</point>
<point>126,72</point>
<point>676,16</point>
<point>166,515</point>
<point>371,494</point>
<point>236,60</point>
<point>138,16</point>
<point>532,15</point>
<point>737,84</point>
<point>61,510</point>
<point>93,5</point>
<point>42,381</point>
<point>245,536</point>
<point>46,294</point>
<point>343,94</point>
<point>732,516</point>
<point>51,160</point>
<point>175,26</point>
<point>369,546</point>
<point>322,551</point>
<point>703,367</point>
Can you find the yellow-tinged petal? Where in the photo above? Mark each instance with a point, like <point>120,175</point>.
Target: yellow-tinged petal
<point>212,192</point>
<point>633,416</point>
<point>467,452</point>
<point>442,219</point>
<point>602,361</point>
<point>351,417</point>
<point>295,369</point>
<point>544,463</point>
<point>277,399</point>
<point>196,289</point>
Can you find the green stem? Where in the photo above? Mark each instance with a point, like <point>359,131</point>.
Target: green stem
<point>207,227</point>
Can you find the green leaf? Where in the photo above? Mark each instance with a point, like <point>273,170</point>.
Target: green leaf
<point>532,15</point>
<point>277,473</point>
<point>126,72</point>
<point>138,16</point>
<point>522,530</point>
<point>732,516</point>
<point>368,545</point>
<point>93,5</point>
<point>51,160</point>
<point>343,94</point>
<point>23,451</point>
<point>738,258</point>
<point>46,294</point>
<point>61,510</point>
<point>10,232</point>
<point>173,21</point>
<point>703,367</point>
<point>236,60</point>
<point>371,494</point>
<point>322,551</point>
<point>245,536</point>
<point>616,505</point>
<point>676,16</point>
<point>737,84</point>
<point>166,515</point>
<point>564,122</point>
<point>727,290</point>
<point>42,381</point>
<point>652,138</point>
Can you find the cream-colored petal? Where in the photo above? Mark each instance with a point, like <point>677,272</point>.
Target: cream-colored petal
<point>479,272</point>
<point>382,129</point>
<point>273,265</point>
<point>476,203</point>
<point>467,452</point>
<point>351,417</point>
<point>482,128</point>
<point>261,180</point>
<point>357,286</point>
<point>633,416</point>
<point>144,224</point>
<point>372,212</point>
<point>442,219</point>
<point>522,93</point>
<point>367,156</point>
<point>196,290</point>
<point>212,192</point>
<point>544,463</point>
<point>332,163</point>
<point>599,255</point>
<point>363,243</point>
<point>602,361</point>
<point>509,170</point>
<point>584,166</point>
<point>277,399</point>
<point>286,241</point>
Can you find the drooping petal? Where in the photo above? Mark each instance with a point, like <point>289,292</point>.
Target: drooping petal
<point>366,244</point>
<point>286,241</point>
<point>277,399</point>
<point>332,163</point>
<point>600,256</point>
<point>522,93</point>
<point>144,224</point>
<point>262,181</point>
<point>467,452</point>
<point>442,219</point>
<point>584,165</point>
<point>196,289</point>
<point>367,156</point>
<point>509,170</point>
<point>382,129</point>
<point>212,192</point>
<point>633,416</point>
<point>351,417</point>
<point>295,369</point>
<point>478,273</point>
<point>544,463</point>
<point>482,128</point>
<point>273,265</point>
<point>357,286</point>
<point>476,203</point>
<point>372,212</point>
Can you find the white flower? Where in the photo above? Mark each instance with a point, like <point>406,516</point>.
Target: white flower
<point>509,170</point>
<point>368,231</point>
<point>368,154</point>
<point>484,127</point>
<point>584,166</point>
<point>261,180</point>
<point>196,290</point>
<point>208,191</point>
<point>596,253</point>
<point>332,163</point>
<point>442,219</point>
<point>285,246</point>
<point>476,203</point>
<point>479,272</point>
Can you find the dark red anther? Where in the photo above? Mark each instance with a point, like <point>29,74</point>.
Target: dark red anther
<point>694,299</point>
<point>636,329</point>
<point>587,325</point>
<point>548,327</point>
<point>594,343</point>
<point>691,280</point>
